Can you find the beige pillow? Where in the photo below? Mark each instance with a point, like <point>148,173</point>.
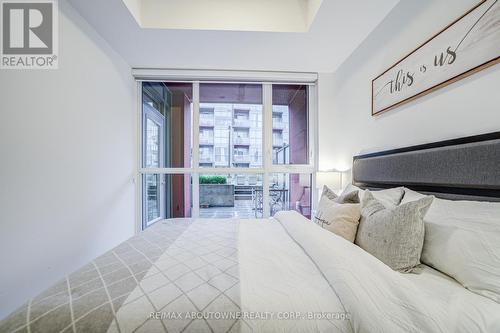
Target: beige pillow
<point>393,235</point>
<point>341,219</point>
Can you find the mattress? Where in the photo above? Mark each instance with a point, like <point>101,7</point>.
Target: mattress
<point>278,275</point>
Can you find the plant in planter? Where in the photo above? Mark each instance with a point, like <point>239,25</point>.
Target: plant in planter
<point>216,192</point>
<point>213,180</point>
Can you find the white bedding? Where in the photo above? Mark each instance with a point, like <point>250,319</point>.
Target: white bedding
<point>266,270</point>
<point>276,277</point>
<point>382,300</point>
<point>468,311</point>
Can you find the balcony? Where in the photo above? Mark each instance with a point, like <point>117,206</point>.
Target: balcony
<point>241,123</point>
<point>278,125</point>
<point>241,158</point>
<point>207,140</point>
<point>206,121</point>
<point>206,159</point>
<point>222,163</point>
<point>241,141</point>
<point>277,143</point>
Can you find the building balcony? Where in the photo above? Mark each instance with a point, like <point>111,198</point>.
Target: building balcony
<point>241,123</point>
<point>278,125</point>
<point>241,158</point>
<point>221,163</point>
<point>206,159</point>
<point>207,122</point>
<point>207,141</point>
<point>241,141</point>
<point>277,143</point>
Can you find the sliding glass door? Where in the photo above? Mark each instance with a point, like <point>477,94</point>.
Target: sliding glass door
<point>226,149</point>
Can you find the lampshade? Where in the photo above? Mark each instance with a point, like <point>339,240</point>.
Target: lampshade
<point>332,179</point>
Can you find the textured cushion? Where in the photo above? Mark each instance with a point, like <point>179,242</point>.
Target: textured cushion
<point>341,219</point>
<point>462,240</point>
<point>327,192</point>
<point>351,188</point>
<point>394,235</point>
<point>345,197</point>
<point>389,198</point>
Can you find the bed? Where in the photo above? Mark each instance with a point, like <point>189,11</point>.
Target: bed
<point>278,275</point>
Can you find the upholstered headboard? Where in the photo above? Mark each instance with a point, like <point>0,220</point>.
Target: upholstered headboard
<point>464,168</point>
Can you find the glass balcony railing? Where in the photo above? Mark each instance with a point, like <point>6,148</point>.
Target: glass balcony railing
<point>206,159</point>
<point>207,121</point>
<point>206,140</point>
<point>241,158</point>
<point>245,123</point>
<point>279,125</point>
<point>278,143</point>
<point>242,141</point>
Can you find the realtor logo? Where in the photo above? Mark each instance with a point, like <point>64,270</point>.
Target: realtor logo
<point>29,34</point>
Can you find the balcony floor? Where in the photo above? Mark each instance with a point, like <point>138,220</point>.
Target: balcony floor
<point>242,209</point>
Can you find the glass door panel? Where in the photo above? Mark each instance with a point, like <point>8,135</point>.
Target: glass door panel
<point>290,124</point>
<point>230,195</point>
<point>152,144</point>
<point>153,194</point>
<point>153,157</point>
<point>290,191</point>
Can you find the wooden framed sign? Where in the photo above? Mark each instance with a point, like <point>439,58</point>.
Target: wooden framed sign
<point>466,46</point>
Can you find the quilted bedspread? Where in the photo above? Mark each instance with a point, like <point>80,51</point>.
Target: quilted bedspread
<point>278,275</point>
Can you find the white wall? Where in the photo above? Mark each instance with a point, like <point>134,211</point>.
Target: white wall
<point>67,160</point>
<point>470,106</point>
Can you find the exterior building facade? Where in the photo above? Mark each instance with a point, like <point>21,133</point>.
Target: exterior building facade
<point>231,136</point>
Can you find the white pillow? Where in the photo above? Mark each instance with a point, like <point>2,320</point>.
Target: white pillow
<point>389,198</point>
<point>462,240</point>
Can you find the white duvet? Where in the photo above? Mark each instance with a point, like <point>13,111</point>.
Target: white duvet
<point>284,274</point>
<point>330,275</point>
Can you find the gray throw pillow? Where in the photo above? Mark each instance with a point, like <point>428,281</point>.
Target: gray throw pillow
<point>393,235</point>
<point>346,197</point>
<point>327,192</point>
<point>389,197</point>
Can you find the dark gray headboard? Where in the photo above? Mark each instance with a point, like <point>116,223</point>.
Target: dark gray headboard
<point>464,168</point>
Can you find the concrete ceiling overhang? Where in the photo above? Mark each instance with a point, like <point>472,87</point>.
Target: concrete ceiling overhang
<point>233,15</point>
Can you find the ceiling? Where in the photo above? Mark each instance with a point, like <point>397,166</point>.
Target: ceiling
<point>338,28</point>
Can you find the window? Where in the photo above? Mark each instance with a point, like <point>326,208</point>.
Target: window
<point>290,124</point>
<point>225,150</point>
<point>237,112</point>
<point>221,156</point>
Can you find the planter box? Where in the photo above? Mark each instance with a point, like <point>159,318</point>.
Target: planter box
<point>217,195</point>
